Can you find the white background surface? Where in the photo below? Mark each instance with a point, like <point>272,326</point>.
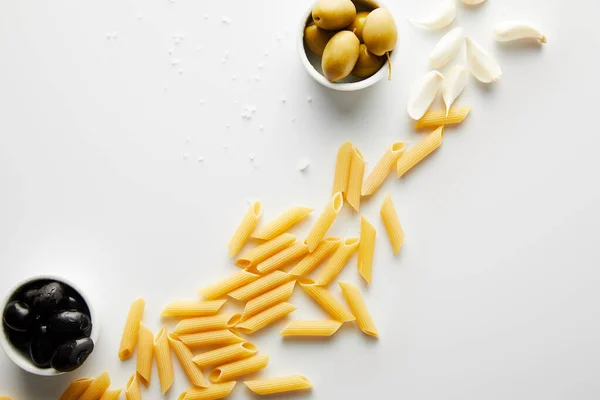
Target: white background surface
<point>495,293</point>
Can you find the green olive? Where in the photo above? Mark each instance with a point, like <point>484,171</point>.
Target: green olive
<point>333,14</point>
<point>379,33</point>
<point>340,55</point>
<point>367,64</point>
<point>316,38</point>
<point>358,24</point>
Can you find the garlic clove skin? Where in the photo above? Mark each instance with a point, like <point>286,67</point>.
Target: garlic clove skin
<point>509,31</point>
<point>441,19</point>
<point>483,65</point>
<point>472,2</point>
<point>448,46</point>
<point>424,94</point>
<point>454,84</point>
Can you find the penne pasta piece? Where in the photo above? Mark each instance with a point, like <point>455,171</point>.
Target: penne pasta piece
<point>357,172</point>
<point>245,228</point>
<point>112,394</point>
<point>185,356</point>
<point>269,299</point>
<point>260,286</point>
<point>337,262</point>
<point>382,169</point>
<point>326,219</point>
<point>226,354</point>
<point>96,388</point>
<point>342,168</point>
<point>282,223</point>
<point>421,150</point>
<point>132,389</point>
<point>209,338</point>
<point>132,327</point>
<point>76,389</point>
<point>265,250</point>
<point>279,385</point>
<point>164,364</point>
<point>211,323</point>
<point>359,308</point>
<point>366,250</point>
<point>283,258</point>
<point>392,224</point>
<point>187,308</point>
<point>314,259</point>
<point>265,318</point>
<point>213,392</point>
<point>239,368</point>
<point>433,119</point>
<point>228,284</point>
<point>311,328</point>
<point>145,354</point>
<point>329,303</point>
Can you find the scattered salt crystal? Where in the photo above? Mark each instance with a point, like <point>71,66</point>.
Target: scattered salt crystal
<point>175,61</point>
<point>309,99</point>
<point>233,77</point>
<point>303,164</point>
<point>205,16</point>
<point>139,17</point>
<point>226,126</point>
<point>257,78</point>
<point>293,119</point>
<point>262,128</point>
<point>261,65</point>
<point>200,159</point>
<point>185,156</point>
<point>283,100</point>
<point>188,140</point>
<point>180,70</point>
<point>201,101</point>
<point>198,49</point>
<point>223,60</point>
<point>226,20</point>
<point>266,52</point>
<point>252,155</point>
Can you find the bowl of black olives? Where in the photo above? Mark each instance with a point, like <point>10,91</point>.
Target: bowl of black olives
<point>48,326</point>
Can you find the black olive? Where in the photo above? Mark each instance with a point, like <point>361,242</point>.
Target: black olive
<point>20,340</point>
<point>42,347</point>
<point>30,295</point>
<point>72,354</point>
<point>70,324</point>
<point>18,316</point>
<point>72,304</point>
<point>49,298</point>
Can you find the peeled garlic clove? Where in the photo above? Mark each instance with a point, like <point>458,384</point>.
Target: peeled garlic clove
<point>483,66</point>
<point>454,84</point>
<point>472,2</point>
<point>441,19</point>
<point>424,94</point>
<point>447,48</point>
<point>515,30</point>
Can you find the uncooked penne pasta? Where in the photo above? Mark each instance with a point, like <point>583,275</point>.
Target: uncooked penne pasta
<point>357,171</point>
<point>260,253</point>
<point>239,368</point>
<point>314,259</point>
<point>342,168</point>
<point>226,354</point>
<point>96,388</point>
<point>326,219</point>
<point>228,284</point>
<point>366,249</point>
<point>433,119</point>
<point>76,389</point>
<point>268,299</point>
<point>282,223</point>
<point>210,323</point>
<point>283,258</point>
<point>145,354</point>
<point>260,286</point>
<point>164,364</point>
<point>132,388</point>
<point>392,224</point>
<point>329,303</point>
<point>112,394</point>
<point>382,169</point>
<point>325,327</point>
<point>337,262</point>
<point>418,152</point>
<point>245,229</point>
<point>279,385</point>
<point>185,356</point>
<point>186,309</point>
<point>265,318</point>
<point>209,338</point>
<point>132,327</point>
<point>359,308</point>
<point>213,392</point>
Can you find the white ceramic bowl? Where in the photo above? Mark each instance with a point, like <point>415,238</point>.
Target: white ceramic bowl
<point>15,355</point>
<point>312,63</point>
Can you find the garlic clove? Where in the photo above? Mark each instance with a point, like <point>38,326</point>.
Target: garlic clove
<point>441,19</point>
<point>447,48</point>
<point>454,84</point>
<point>424,94</point>
<point>483,65</point>
<point>472,2</point>
<point>515,30</point>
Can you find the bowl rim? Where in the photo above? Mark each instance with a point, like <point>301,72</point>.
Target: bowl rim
<point>15,355</point>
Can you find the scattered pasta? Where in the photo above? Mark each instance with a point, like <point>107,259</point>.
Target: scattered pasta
<point>326,219</point>
<point>366,250</point>
<point>112,394</point>
<point>359,308</point>
<point>314,259</point>
<point>96,388</point>
<point>342,168</point>
<point>164,364</point>
<point>382,169</point>
<point>232,282</point>
<point>213,392</point>
<point>311,328</point>
<point>392,224</point>
<point>265,318</point>
<point>76,389</point>
<point>329,303</point>
<point>209,338</point>
<point>421,150</point>
<point>210,323</point>
<point>132,389</point>
<point>260,286</point>
<point>244,230</point>
<point>226,354</point>
<point>279,385</point>
<point>268,299</point>
<point>265,250</point>
<point>433,119</point>
<point>145,354</point>
<point>337,262</point>
<point>238,368</point>
<point>185,357</point>
<point>132,327</point>
<point>282,223</point>
<point>186,309</point>
<point>355,179</point>
<point>283,258</point>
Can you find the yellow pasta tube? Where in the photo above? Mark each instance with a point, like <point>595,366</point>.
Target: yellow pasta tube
<point>265,318</point>
<point>96,388</point>
<point>226,354</point>
<point>211,323</point>
<point>283,258</point>
<point>357,171</point>
<point>185,357</point>
<point>418,152</point>
<point>228,284</point>
<point>311,328</point>
<point>329,303</point>
<point>213,392</point>
<point>359,308</point>
<point>342,168</point>
<point>269,299</point>
<point>366,249</point>
<point>337,262</point>
<point>76,389</point>
<point>145,354</point>
<point>392,224</point>
<point>244,230</point>
<point>164,364</point>
<point>326,219</point>
<point>383,167</point>
<point>265,250</point>
<point>209,338</point>
<point>260,286</point>
<point>112,394</point>
<point>435,118</point>
<point>238,368</point>
<point>314,259</point>
<point>282,223</point>
<point>132,327</point>
<point>279,385</point>
<point>185,308</point>
<point>132,388</point>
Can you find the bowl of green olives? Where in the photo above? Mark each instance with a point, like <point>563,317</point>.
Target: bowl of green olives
<point>48,326</point>
<point>347,45</point>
